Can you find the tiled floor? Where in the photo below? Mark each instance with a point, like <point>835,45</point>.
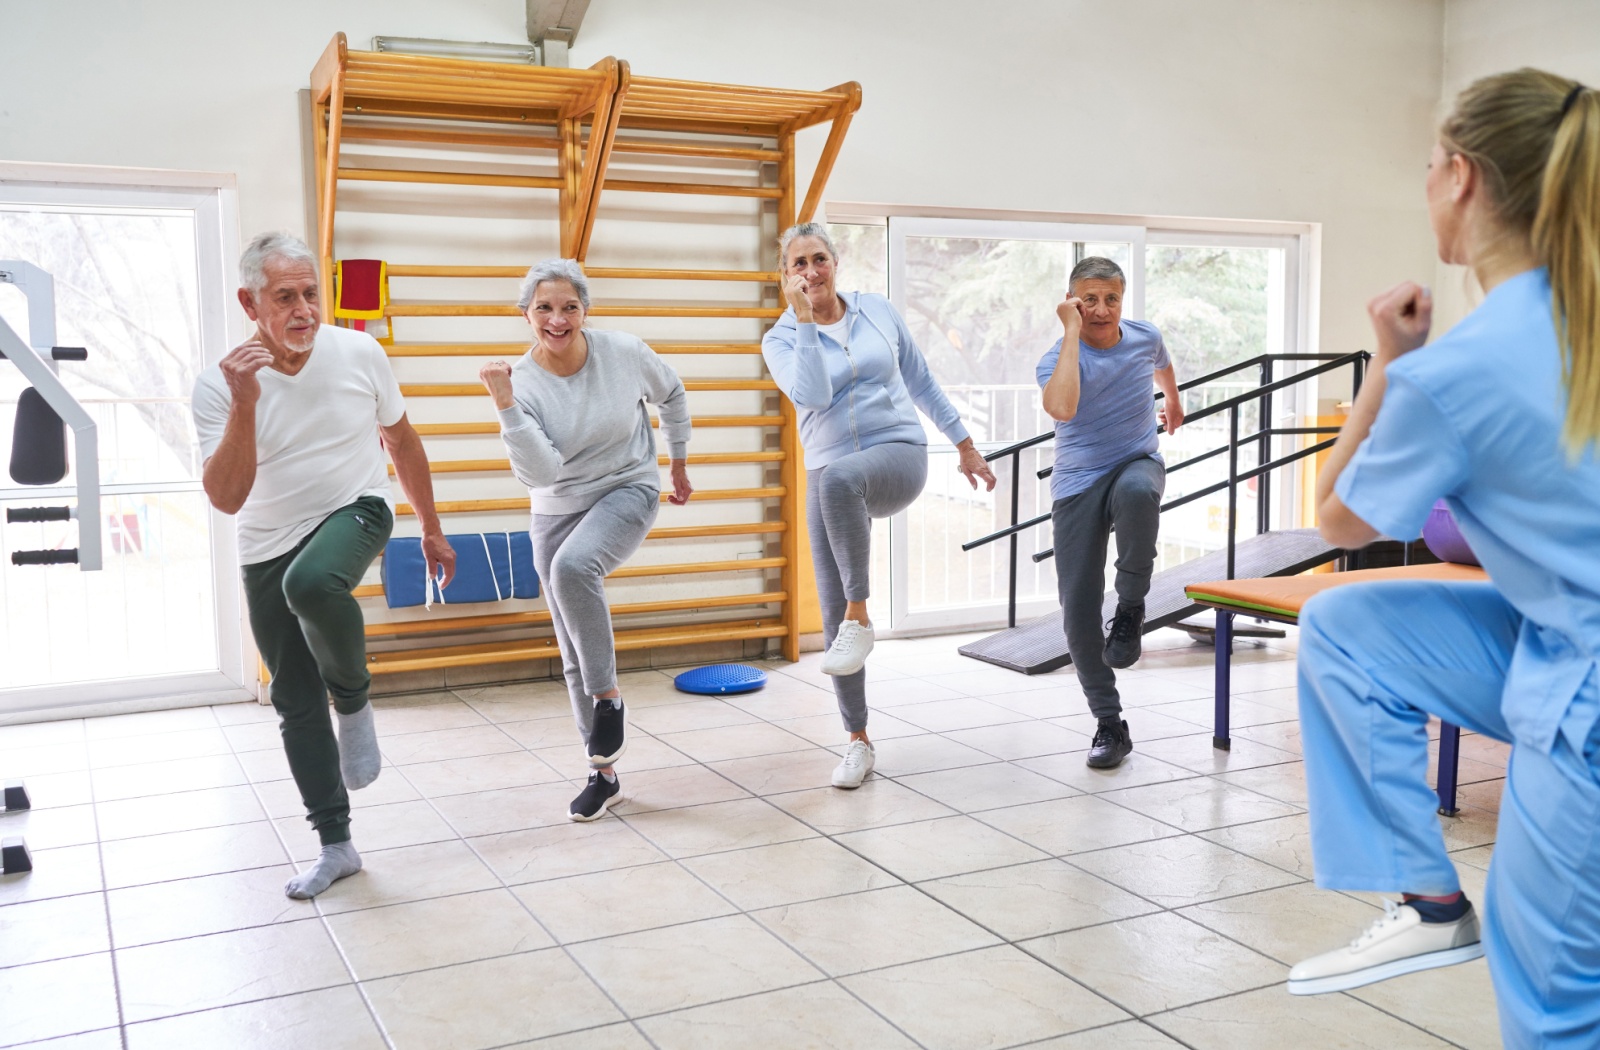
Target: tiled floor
<point>982,890</point>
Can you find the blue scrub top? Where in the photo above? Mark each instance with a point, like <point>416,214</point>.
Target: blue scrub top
<point>1475,419</point>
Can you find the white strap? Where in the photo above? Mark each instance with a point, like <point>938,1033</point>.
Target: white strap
<point>489,562</point>
<point>511,564</point>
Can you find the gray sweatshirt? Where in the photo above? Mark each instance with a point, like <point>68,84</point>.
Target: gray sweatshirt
<point>572,439</point>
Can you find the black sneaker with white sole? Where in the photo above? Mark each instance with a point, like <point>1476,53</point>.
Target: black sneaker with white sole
<point>593,801</point>
<point>606,739</point>
<point>1124,636</point>
<point>1111,745</point>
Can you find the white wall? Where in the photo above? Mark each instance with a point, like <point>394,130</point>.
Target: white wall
<point>1489,36</point>
<point>1312,112</point>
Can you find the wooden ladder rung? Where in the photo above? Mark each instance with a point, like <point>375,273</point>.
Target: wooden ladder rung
<point>471,506</point>
<point>545,648</point>
<point>448,178</point>
<point>449,625</point>
<point>458,429</point>
<point>476,466</point>
<point>710,189</point>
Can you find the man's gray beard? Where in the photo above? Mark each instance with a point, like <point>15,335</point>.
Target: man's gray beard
<point>301,346</point>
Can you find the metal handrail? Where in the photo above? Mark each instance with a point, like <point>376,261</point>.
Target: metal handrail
<point>1261,394</point>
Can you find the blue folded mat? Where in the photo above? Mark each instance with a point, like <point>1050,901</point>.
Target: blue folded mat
<point>490,567</point>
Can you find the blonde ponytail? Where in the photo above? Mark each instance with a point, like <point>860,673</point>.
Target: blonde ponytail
<point>1535,137</point>
<point>1566,236</point>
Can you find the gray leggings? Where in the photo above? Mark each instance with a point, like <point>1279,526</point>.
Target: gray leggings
<point>1127,498</point>
<point>842,498</point>
<point>573,554</point>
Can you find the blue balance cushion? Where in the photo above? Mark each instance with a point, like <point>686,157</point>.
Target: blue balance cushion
<point>721,679</point>
<point>490,566</point>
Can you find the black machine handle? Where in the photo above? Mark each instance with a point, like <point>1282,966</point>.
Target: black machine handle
<point>62,557</point>
<point>69,353</point>
<point>15,514</point>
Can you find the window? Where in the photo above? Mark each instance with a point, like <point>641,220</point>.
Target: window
<point>140,282</point>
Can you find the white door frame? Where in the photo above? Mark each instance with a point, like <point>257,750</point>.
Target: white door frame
<point>212,198</point>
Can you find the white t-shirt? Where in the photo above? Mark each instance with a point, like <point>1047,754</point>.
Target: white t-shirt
<point>317,442</point>
<point>838,331</point>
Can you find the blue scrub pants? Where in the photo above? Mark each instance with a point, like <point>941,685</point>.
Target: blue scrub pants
<point>1375,661</point>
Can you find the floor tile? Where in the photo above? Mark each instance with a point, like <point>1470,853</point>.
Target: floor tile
<point>1288,924</point>
<point>56,873</point>
<point>104,1039</point>
<point>943,716</point>
<point>410,873</point>
<point>770,774</point>
<point>764,876</point>
<point>1196,753</point>
<point>868,931</point>
<point>58,998</point>
<point>442,744</point>
<point>984,680</point>
<point>50,828</point>
<point>159,778</point>
<point>1268,1020</point>
<point>1135,770</point>
<point>935,848</point>
<point>537,733</point>
<point>695,714</point>
<point>59,790</point>
<point>1128,1035</point>
<point>166,911</point>
<point>990,998</point>
<point>644,752</point>
<point>190,854</point>
<point>1144,723</point>
<point>625,900</point>
<point>974,788</point>
<point>489,1003</point>
<point>682,966</point>
<point>796,701</point>
<point>717,827</point>
<point>1075,825</point>
<point>1157,962</point>
<point>143,723</point>
<point>924,754</point>
<point>674,788</point>
<point>566,849</point>
<point>1455,1003</point>
<point>507,809</point>
<point>420,935</point>
<point>894,693</point>
<point>741,741</point>
<point>811,1015</point>
<point>42,734</point>
<point>180,811</point>
<point>1173,872</point>
<point>39,931</point>
<point>462,776</point>
<point>393,718</point>
<point>371,828</point>
<point>1286,782</point>
<point>876,803</point>
<point>222,969</point>
<point>824,730</point>
<point>1028,738</point>
<point>1284,843</point>
<point>1199,804</point>
<point>43,759</point>
<point>1031,900</point>
<point>157,747</point>
<point>336,1018</point>
<point>620,1036</point>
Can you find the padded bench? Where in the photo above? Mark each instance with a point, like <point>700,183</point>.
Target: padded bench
<point>1280,598</point>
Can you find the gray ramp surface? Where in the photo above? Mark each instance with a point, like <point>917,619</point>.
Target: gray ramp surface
<point>1040,646</point>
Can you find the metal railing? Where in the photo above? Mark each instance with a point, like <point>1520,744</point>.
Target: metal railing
<point>1261,396</point>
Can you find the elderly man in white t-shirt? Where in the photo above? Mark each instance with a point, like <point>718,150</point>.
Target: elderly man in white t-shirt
<point>293,424</point>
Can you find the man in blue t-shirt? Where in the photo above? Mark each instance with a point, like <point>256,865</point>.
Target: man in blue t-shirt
<point>1107,477</point>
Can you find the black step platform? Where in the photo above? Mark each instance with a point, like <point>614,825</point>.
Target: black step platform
<point>1040,646</point>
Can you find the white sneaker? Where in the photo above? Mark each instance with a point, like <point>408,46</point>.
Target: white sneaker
<point>1398,943</point>
<point>859,758</point>
<point>848,653</point>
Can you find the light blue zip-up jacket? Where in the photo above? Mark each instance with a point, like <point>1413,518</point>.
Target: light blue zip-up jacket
<point>866,395</point>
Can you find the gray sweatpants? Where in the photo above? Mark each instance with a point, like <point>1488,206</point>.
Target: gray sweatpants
<point>573,554</point>
<point>842,498</point>
<point>1128,498</point>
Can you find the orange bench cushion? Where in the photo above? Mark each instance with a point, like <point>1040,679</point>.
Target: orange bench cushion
<point>1284,595</point>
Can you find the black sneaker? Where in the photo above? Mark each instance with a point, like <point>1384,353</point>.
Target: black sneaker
<point>1111,744</point>
<point>1123,635</point>
<point>593,801</point>
<point>606,743</point>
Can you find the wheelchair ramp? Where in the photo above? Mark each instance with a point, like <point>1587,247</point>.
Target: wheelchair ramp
<point>1040,646</point>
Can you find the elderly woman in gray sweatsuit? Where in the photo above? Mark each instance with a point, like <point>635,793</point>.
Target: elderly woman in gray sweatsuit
<point>573,419</point>
<point>856,378</point>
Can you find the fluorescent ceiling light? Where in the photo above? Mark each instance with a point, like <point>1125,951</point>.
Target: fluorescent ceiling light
<point>520,54</point>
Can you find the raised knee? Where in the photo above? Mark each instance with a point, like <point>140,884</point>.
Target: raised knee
<point>307,590</point>
<point>567,569</point>
<point>1332,613</point>
<point>839,485</point>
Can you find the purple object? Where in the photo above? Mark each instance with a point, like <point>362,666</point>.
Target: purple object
<point>1444,538</point>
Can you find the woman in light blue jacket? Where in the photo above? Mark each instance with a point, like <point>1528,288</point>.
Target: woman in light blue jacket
<point>856,378</point>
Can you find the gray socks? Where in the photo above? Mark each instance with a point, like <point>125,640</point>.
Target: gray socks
<point>336,861</point>
<point>359,760</point>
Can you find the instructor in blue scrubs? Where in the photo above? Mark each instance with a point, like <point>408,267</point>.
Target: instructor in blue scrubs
<point>1499,417</point>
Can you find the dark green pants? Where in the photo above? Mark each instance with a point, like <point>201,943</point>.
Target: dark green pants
<point>312,638</point>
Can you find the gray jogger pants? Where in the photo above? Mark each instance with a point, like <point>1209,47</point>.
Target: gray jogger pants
<point>573,554</point>
<point>1127,499</point>
<point>842,498</point>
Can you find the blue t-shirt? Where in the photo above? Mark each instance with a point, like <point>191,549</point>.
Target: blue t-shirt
<point>1476,419</point>
<point>1116,418</point>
